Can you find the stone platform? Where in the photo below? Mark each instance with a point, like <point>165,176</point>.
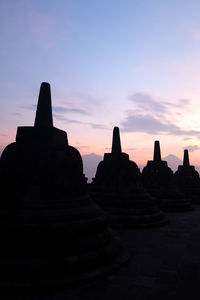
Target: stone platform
<point>165,265</point>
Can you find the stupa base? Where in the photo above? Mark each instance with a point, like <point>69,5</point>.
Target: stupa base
<point>49,248</point>
<point>123,218</point>
<point>173,206</point>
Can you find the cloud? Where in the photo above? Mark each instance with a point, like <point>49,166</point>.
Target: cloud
<point>67,120</point>
<point>183,102</point>
<point>146,102</point>
<point>62,118</point>
<point>149,124</point>
<point>97,126</point>
<point>139,123</point>
<point>17,114</point>
<point>61,109</point>
<point>192,148</point>
<point>187,138</point>
<point>152,116</point>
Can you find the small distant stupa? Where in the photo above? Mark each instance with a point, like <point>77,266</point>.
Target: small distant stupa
<point>117,187</point>
<point>158,179</point>
<point>52,234</point>
<point>187,179</point>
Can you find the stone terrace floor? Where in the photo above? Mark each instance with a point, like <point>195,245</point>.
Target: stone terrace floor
<point>164,265</point>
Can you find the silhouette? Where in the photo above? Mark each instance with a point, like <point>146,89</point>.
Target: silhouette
<point>158,179</point>
<point>52,233</point>
<point>117,187</point>
<point>187,179</point>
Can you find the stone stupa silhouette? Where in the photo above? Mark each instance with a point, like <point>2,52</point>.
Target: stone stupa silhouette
<point>158,179</point>
<point>187,179</point>
<point>52,234</point>
<point>117,187</point>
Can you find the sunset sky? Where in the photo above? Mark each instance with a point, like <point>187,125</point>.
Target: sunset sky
<point>128,63</point>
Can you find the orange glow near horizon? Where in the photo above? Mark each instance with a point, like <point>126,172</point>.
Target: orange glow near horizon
<point>140,154</point>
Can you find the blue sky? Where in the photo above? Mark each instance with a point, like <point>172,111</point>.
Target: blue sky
<point>134,64</point>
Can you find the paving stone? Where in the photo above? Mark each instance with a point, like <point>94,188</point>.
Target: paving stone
<point>163,266</point>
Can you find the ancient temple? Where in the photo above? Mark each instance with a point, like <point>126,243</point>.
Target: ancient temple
<point>118,188</point>
<point>158,180</point>
<point>52,233</point>
<point>187,179</point>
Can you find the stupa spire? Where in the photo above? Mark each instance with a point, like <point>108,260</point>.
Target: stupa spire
<point>116,143</point>
<point>157,155</point>
<point>43,116</point>
<point>186,162</point>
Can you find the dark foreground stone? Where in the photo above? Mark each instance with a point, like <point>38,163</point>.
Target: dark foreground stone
<point>165,264</point>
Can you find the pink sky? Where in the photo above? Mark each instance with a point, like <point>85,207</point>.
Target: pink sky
<point>109,64</point>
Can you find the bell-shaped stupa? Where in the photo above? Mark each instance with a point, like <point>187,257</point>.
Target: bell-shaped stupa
<point>117,187</point>
<point>187,179</point>
<point>52,233</point>
<point>158,179</point>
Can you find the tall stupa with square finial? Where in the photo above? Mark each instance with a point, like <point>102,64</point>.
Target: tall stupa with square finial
<point>52,233</point>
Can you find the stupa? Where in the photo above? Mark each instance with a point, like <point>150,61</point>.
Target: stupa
<point>187,179</point>
<point>52,233</point>
<point>117,187</point>
<point>158,179</point>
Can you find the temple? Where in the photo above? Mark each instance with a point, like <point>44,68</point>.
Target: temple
<point>187,179</point>
<point>52,233</point>
<point>158,179</point>
<point>117,187</point>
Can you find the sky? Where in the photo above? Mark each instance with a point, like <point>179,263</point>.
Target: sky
<point>128,63</point>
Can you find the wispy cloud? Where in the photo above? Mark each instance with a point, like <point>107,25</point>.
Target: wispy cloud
<point>151,125</point>
<point>146,102</point>
<point>187,138</point>
<point>60,109</point>
<point>67,120</point>
<point>98,126</point>
<point>17,114</point>
<point>192,148</point>
<point>152,116</point>
<point>59,113</point>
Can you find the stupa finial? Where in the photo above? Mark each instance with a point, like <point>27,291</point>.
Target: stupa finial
<point>186,161</point>
<point>116,144</point>
<point>43,116</point>
<point>157,155</point>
